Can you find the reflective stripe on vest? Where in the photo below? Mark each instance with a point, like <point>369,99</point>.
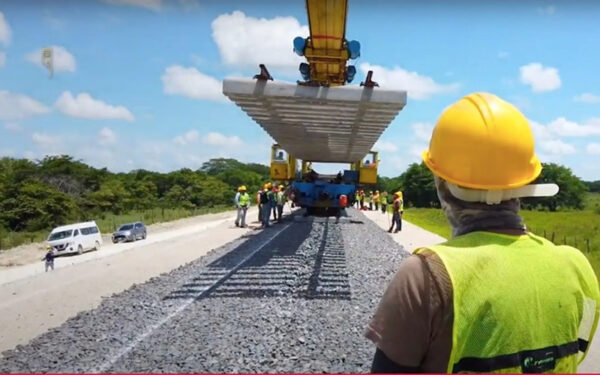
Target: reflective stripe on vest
<point>244,200</point>
<point>521,303</point>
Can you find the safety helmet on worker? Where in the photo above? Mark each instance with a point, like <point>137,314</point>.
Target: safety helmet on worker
<point>242,188</point>
<point>485,143</point>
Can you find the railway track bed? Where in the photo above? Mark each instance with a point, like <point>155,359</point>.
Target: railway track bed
<point>293,298</point>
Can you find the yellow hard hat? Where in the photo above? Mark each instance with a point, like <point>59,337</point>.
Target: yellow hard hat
<point>399,194</point>
<point>483,142</point>
<point>242,188</point>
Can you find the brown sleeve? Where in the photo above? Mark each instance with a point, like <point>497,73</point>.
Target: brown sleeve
<point>413,322</point>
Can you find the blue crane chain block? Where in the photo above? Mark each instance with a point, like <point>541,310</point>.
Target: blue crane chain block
<point>350,73</point>
<point>299,45</point>
<point>305,71</point>
<point>353,47</point>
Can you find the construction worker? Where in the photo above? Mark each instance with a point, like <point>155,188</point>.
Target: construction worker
<point>273,200</point>
<point>265,204</point>
<point>384,202</point>
<point>362,199</point>
<point>259,205</point>
<point>398,207</point>
<point>242,202</point>
<point>280,199</point>
<point>495,297</point>
<point>370,200</point>
<point>376,200</point>
<point>357,198</point>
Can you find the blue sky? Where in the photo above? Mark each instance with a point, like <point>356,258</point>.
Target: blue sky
<point>137,83</point>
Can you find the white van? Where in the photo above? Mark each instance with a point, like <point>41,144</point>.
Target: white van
<point>74,238</point>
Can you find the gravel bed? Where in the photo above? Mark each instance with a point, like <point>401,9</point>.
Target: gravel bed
<point>301,304</point>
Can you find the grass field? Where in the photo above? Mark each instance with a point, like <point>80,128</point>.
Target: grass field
<point>108,222</point>
<point>580,229</point>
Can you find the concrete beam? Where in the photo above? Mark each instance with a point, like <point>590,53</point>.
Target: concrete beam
<point>328,124</point>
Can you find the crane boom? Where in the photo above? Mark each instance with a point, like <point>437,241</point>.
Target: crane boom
<point>326,48</point>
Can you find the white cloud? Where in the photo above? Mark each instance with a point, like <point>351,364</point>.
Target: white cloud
<point>422,130</point>
<point>418,87</point>
<point>593,148</point>
<point>188,138</point>
<point>587,98</point>
<point>2,59</point>
<point>416,151</point>
<point>17,106</point>
<point>540,131</point>
<point>44,140</point>
<point>547,10</point>
<point>5,32</point>
<point>385,146</point>
<point>84,106</point>
<point>566,128</point>
<point>13,127</point>
<point>557,147</point>
<point>539,77</point>
<point>189,82</point>
<point>62,60</point>
<point>107,137</point>
<point>218,139</point>
<point>154,5</point>
<point>245,41</point>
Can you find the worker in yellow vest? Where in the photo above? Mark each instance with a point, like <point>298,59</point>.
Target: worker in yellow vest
<point>376,200</point>
<point>495,297</point>
<point>242,202</point>
<point>398,209</point>
<point>384,201</point>
<point>369,200</point>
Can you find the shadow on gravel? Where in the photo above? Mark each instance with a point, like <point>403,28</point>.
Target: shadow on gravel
<point>277,270</point>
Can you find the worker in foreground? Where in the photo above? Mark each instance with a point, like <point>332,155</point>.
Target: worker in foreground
<point>242,202</point>
<point>495,297</point>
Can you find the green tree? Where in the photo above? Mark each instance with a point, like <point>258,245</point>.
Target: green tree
<point>418,187</point>
<point>34,205</point>
<point>112,196</point>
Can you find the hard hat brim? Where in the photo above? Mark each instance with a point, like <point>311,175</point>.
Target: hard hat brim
<point>432,167</point>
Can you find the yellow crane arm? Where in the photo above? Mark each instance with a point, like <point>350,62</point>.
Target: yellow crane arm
<point>326,49</point>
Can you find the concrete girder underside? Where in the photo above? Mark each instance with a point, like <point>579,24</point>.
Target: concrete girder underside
<point>321,124</point>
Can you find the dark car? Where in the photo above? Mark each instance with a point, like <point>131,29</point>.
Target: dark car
<point>129,232</point>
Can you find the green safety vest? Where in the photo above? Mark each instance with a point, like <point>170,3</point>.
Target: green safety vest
<point>521,303</point>
<point>384,199</point>
<point>244,200</point>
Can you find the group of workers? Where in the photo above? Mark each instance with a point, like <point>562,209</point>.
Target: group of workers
<point>373,199</point>
<point>271,199</point>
